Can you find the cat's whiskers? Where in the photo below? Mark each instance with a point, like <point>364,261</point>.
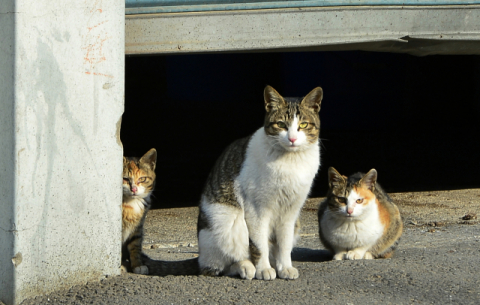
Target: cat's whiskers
<point>153,195</point>
<point>272,145</point>
<point>338,212</point>
<point>320,142</point>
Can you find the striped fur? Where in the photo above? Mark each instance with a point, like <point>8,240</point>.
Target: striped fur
<point>249,209</point>
<point>358,220</point>
<point>138,184</point>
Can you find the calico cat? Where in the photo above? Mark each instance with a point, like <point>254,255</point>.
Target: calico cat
<point>358,220</point>
<point>138,184</point>
<point>253,196</point>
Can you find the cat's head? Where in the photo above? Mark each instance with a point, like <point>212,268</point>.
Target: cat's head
<point>352,197</point>
<point>139,175</point>
<point>293,124</point>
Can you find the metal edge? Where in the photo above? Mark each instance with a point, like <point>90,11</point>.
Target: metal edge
<point>294,10</point>
<point>286,4</point>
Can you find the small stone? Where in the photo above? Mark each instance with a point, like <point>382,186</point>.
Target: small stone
<point>469,216</point>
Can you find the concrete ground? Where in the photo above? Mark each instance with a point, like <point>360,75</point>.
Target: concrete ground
<point>438,261</point>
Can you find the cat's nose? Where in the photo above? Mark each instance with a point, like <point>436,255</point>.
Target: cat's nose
<point>134,189</point>
<point>292,140</point>
<point>349,211</point>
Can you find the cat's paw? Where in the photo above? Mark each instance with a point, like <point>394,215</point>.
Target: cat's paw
<point>368,255</point>
<point>288,273</point>
<point>246,270</point>
<point>266,274</point>
<point>353,255</point>
<point>339,256</point>
<point>141,270</point>
<point>123,269</point>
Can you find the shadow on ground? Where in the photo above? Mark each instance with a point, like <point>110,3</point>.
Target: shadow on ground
<point>310,255</point>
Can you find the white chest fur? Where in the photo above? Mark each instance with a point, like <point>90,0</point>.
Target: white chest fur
<point>273,179</point>
<point>347,234</point>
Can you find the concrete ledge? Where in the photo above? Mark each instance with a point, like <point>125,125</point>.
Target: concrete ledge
<point>417,30</point>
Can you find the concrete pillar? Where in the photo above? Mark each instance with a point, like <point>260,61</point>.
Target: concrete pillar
<point>61,102</point>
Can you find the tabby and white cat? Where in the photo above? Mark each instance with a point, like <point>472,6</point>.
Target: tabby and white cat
<point>358,220</point>
<point>253,196</point>
<point>138,184</point>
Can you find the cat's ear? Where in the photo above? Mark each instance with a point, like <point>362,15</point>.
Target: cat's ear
<point>313,100</point>
<point>150,158</point>
<point>369,180</point>
<point>273,100</point>
<point>334,178</point>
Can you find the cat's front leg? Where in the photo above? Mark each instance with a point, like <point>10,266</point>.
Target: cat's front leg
<point>265,272</point>
<point>135,250</point>
<point>368,255</point>
<point>285,241</point>
<point>339,254</point>
<point>244,268</point>
<point>358,253</point>
<point>260,252</point>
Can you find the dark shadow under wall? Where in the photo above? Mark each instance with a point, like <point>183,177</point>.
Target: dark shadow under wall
<point>415,119</point>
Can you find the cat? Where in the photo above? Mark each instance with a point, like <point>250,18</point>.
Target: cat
<point>138,185</point>
<point>358,220</point>
<point>253,196</point>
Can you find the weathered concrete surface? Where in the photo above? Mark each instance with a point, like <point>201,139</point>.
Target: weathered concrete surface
<point>436,262</point>
<point>417,30</point>
<point>61,81</point>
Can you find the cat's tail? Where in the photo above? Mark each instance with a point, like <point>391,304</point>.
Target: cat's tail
<point>164,268</point>
<point>388,253</point>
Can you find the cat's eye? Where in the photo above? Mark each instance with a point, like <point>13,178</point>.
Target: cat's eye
<point>303,125</point>
<point>281,125</point>
<point>142,179</point>
<point>341,199</point>
<point>125,180</point>
<point>360,200</point>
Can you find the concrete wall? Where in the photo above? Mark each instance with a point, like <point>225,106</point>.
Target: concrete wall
<point>61,91</point>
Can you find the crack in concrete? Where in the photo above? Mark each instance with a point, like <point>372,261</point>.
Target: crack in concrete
<point>5,230</point>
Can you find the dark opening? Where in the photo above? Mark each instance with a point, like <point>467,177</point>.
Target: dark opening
<point>414,119</point>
